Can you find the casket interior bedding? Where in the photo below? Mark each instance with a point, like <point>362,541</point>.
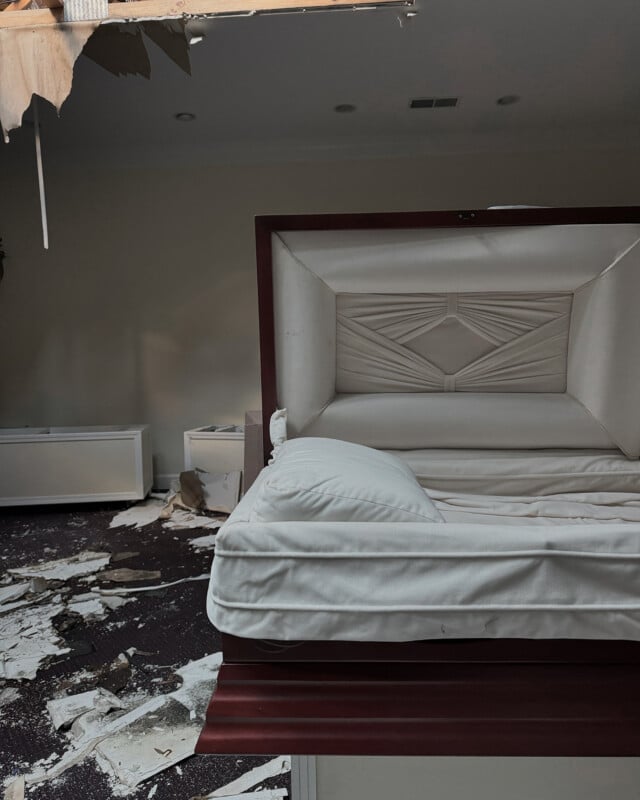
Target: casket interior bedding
<point>500,363</point>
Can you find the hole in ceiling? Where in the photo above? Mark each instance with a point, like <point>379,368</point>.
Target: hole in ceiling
<point>508,99</point>
<point>344,108</point>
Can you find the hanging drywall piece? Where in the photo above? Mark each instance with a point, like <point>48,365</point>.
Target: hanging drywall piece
<point>120,49</point>
<point>80,10</point>
<point>37,60</point>
<point>171,37</point>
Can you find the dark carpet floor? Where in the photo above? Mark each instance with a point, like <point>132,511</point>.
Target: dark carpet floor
<point>168,628</point>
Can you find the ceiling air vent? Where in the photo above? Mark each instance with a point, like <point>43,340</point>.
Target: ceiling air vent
<point>434,102</point>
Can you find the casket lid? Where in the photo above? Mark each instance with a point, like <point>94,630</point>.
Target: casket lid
<point>334,248</point>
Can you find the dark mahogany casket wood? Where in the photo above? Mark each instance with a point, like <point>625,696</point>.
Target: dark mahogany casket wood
<point>500,697</point>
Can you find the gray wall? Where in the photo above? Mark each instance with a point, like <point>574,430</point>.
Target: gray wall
<point>144,309</point>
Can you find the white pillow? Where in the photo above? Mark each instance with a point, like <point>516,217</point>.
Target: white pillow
<point>331,480</point>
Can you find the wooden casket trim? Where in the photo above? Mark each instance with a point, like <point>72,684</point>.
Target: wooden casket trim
<point>483,698</point>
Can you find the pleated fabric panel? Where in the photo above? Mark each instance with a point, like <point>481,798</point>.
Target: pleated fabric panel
<point>481,342</point>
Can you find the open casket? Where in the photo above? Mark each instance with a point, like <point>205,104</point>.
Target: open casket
<point>496,353</point>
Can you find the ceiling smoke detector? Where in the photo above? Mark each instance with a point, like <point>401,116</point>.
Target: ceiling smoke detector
<point>434,102</point>
<point>184,116</point>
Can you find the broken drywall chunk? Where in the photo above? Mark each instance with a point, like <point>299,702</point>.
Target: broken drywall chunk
<point>7,608</point>
<point>27,638</point>
<point>135,745</point>
<point>149,745</point>
<point>260,794</point>
<point>126,575</point>
<point>91,608</point>
<point>123,555</point>
<point>276,766</point>
<point>115,602</point>
<point>87,744</point>
<point>62,569</point>
<point>209,491</point>
<point>198,679</point>
<point>8,696</point>
<point>138,515</point>
<point>184,520</point>
<point>64,710</point>
<point>13,592</point>
<point>37,60</point>
<point>221,490</point>
<point>15,790</point>
<point>204,542</point>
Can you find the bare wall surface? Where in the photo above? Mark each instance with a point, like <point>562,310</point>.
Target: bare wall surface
<point>145,309</point>
<point>350,778</point>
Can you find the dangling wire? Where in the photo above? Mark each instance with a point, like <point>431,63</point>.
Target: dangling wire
<point>43,199</point>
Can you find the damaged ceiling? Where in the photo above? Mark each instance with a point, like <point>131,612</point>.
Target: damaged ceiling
<point>264,87</point>
<point>40,40</point>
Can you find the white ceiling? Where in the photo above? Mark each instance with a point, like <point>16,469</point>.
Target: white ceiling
<point>267,85</point>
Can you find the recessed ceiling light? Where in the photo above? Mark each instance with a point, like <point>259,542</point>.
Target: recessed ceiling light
<point>344,108</point>
<point>184,116</point>
<point>508,99</point>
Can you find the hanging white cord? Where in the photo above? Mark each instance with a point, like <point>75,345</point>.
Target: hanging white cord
<point>43,199</point>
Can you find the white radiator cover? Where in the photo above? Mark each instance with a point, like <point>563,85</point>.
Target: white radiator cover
<point>74,465</point>
<point>215,448</point>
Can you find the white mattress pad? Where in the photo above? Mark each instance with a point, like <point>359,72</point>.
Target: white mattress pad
<point>407,581</point>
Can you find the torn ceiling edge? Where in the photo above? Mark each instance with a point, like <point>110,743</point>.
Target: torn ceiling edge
<point>184,9</point>
<point>37,61</point>
<point>40,61</point>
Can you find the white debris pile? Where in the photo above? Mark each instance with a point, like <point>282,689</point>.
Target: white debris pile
<point>260,794</point>
<point>186,505</point>
<point>27,607</point>
<point>203,542</point>
<point>132,739</point>
<point>139,515</point>
<point>66,710</point>
<point>8,696</point>
<point>63,569</point>
<point>277,766</point>
<point>27,638</point>
<point>15,790</point>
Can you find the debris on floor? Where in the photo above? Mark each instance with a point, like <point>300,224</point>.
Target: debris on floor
<point>210,491</point>
<point>261,794</point>
<point>66,710</point>
<point>203,542</point>
<point>8,696</point>
<point>126,575</point>
<point>158,587</point>
<point>111,684</point>
<point>276,766</point>
<point>28,638</point>
<point>148,738</point>
<point>15,790</point>
<point>171,511</point>
<point>63,569</point>
<point>140,515</point>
